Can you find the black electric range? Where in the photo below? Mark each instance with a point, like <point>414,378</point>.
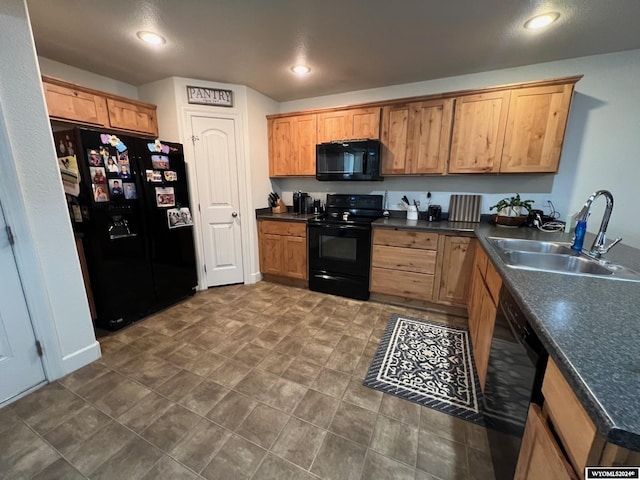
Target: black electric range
<point>340,245</point>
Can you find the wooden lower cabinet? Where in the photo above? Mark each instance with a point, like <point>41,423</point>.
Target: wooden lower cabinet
<point>403,263</point>
<point>424,266</point>
<point>455,264</point>
<point>560,440</point>
<point>482,311</point>
<point>283,248</point>
<point>540,455</point>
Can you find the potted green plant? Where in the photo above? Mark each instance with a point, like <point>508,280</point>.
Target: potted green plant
<point>512,206</point>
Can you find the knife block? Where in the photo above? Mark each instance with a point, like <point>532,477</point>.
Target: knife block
<point>281,208</point>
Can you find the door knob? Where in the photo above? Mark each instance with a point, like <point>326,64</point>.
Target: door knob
<point>234,214</point>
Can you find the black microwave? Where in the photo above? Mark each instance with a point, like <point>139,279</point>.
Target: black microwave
<point>348,160</point>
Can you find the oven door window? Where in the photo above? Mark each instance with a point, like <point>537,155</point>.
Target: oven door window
<point>338,248</point>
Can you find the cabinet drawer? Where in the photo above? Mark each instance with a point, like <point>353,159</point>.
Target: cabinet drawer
<point>406,238</point>
<point>571,422</point>
<point>418,286</point>
<point>296,229</point>
<point>406,259</point>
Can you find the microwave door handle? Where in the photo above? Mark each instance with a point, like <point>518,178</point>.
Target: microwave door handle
<point>364,162</point>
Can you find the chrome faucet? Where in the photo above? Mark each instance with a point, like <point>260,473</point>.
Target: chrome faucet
<point>598,248</point>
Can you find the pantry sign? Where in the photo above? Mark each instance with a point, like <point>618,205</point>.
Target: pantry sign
<point>210,96</point>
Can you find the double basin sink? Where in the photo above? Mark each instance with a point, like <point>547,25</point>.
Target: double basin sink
<point>557,257</point>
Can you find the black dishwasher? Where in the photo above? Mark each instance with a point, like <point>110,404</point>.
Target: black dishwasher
<point>514,376</point>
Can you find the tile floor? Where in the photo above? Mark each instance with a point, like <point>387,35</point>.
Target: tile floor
<point>248,381</point>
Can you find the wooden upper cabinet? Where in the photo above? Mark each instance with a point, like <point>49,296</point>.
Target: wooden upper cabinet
<point>478,132</point>
<point>76,104</point>
<point>355,123</point>
<point>130,116</point>
<point>72,104</point>
<point>292,145</point>
<point>535,129</point>
<point>415,137</point>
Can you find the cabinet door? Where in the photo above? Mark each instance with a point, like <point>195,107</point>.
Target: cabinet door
<point>271,254</point>
<point>295,257</point>
<point>304,142</point>
<point>478,132</point>
<point>364,123</point>
<point>132,117</point>
<point>540,456</point>
<point>535,129</point>
<point>416,137</point>
<point>292,145</point>
<point>281,153</point>
<point>455,267</point>
<point>349,124</point>
<point>486,324</point>
<point>475,304</point>
<point>74,105</point>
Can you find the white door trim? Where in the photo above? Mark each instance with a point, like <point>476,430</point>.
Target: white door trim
<point>26,255</point>
<point>247,220</point>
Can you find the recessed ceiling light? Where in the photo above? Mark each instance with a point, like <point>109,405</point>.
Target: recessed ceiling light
<point>151,38</point>
<point>300,69</point>
<point>540,21</point>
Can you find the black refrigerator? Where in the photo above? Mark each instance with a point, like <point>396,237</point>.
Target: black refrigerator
<point>128,200</point>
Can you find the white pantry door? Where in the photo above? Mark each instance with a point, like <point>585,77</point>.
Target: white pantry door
<point>20,365</point>
<point>216,163</point>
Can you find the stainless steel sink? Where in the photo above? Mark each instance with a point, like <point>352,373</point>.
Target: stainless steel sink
<point>531,245</point>
<point>557,257</point>
<point>554,262</point>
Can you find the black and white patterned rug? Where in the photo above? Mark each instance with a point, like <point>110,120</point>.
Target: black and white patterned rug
<point>428,363</point>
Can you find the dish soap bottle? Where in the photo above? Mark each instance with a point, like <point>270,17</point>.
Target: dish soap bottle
<point>581,228</point>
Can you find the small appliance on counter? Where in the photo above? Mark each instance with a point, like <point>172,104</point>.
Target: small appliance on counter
<point>301,202</point>
<point>434,213</point>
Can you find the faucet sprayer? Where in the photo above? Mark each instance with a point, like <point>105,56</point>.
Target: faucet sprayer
<point>598,248</point>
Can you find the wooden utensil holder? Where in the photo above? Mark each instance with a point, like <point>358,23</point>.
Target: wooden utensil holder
<point>280,208</point>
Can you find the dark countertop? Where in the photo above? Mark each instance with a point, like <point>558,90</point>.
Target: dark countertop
<point>590,326</point>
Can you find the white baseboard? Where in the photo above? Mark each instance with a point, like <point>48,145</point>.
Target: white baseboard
<point>79,359</point>
<point>253,278</point>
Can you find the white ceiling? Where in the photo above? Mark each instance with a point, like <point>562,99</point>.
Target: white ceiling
<point>349,44</point>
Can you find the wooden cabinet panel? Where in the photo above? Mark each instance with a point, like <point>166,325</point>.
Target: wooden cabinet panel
<point>455,267</point>
<point>271,254</point>
<point>365,123</point>
<point>415,137</point>
<point>494,282</point>
<point>406,238</point>
<point>481,260</point>
<point>478,132</point>
<point>486,324</point>
<point>475,304</point>
<point>283,248</point>
<point>292,146</point>
<point>411,285</point>
<point>571,421</point>
<point>132,116</point>
<point>355,123</point>
<point>535,129</point>
<point>540,456</point>
<point>295,257</point>
<point>77,104</point>
<point>283,228</point>
<point>64,103</point>
<point>407,259</point>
